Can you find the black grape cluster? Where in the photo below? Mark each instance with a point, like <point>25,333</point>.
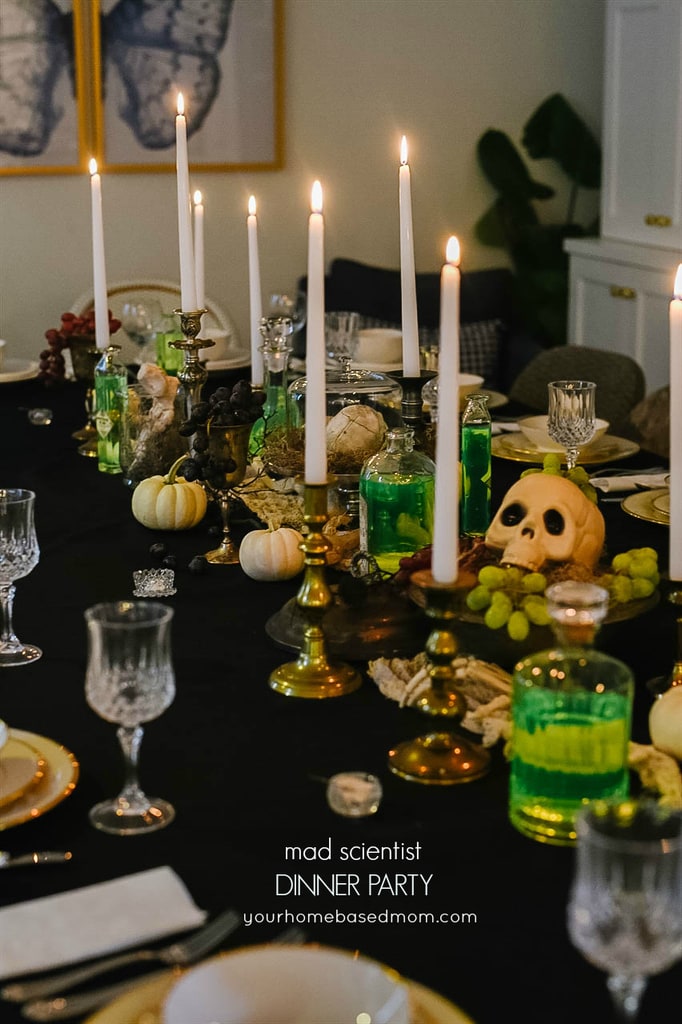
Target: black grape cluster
<point>226,407</point>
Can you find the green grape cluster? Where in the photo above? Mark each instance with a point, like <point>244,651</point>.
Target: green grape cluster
<point>634,575</point>
<point>510,597</point>
<point>551,466</point>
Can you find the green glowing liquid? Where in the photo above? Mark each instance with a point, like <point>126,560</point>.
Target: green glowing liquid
<point>568,748</point>
<point>111,403</point>
<point>476,479</point>
<point>396,513</point>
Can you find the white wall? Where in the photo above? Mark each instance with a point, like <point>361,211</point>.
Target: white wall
<point>358,74</point>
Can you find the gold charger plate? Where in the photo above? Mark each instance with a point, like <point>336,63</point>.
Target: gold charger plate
<point>59,781</point>
<point>608,448</point>
<point>143,1005</point>
<point>21,766</point>
<point>649,505</point>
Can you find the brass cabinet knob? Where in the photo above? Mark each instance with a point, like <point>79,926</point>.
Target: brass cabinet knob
<point>621,292</point>
<point>658,220</point>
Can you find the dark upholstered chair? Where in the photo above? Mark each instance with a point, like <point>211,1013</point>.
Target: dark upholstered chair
<point>492,340</point>
<point>619,379</point>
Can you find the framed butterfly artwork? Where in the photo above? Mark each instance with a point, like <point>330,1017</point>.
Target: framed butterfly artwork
<point>82,78</point>
<point>44,82</point>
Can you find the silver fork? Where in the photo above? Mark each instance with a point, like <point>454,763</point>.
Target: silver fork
<point>66,1007</point>
<point>177,953</point>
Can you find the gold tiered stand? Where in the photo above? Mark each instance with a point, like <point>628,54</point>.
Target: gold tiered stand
<point>440,758</point>
<point>312,675</point>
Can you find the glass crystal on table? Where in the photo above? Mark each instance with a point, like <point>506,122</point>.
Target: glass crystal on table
<point>354,794</point>
<point>625,905</point>
<point>571,415</point>
<point>130,681</point>
<point>19,555</point>
<point>154,582</point>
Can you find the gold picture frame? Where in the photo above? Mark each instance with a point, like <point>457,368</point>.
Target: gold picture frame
<point>120,108</point>
<point>44,111</point>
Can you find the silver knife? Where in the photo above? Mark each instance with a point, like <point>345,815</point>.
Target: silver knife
<point>39,857</point>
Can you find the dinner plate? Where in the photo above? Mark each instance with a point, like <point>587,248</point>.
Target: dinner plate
<point>61,776</point>
<point>608,448</point>
<point>21,766</point>
<point>654,506</point>
<point>495,398</point>
<point>143,1005</point>
<point>18,369</point>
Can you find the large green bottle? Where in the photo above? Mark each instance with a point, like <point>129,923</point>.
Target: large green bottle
<point>276,333</point>
<point>571,714</point>
<point>476,467</point>
<point>111,404</point>
<point>396,500</point>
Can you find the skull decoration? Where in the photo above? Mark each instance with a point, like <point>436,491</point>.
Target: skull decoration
<point>546,518</point>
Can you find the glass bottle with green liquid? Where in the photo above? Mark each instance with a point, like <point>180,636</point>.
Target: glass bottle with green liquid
<point>475,503</point>
<point>111,403</point>
<point>396,500</point>
<point>571,717</point>
<point>276,333</point>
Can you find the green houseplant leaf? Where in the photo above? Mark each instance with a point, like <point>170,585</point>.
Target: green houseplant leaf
<point>555,131</point>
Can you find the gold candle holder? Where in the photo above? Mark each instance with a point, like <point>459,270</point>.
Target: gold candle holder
<point>440,758</point>
<point>312,675</point>
<point>193,375</point>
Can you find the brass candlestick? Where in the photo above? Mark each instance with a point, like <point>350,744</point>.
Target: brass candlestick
<point>440,758</point>
<point>193,374</point>
<point>84,358</point>
<point>312,675</point>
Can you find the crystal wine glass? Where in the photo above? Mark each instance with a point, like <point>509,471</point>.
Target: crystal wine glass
<point>130,680</point>
<point>139,320</point>
<point>19,554</point>
<point>292,306</point>
<point>571,415</point>
<point>625,906</point>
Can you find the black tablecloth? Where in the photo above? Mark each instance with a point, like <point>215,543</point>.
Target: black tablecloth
<point>242,764</point>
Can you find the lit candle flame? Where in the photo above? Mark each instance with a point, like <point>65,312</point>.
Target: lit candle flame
<point>452,250</point>
<point>197,198</point>
<point>403,150</point>
<point>316,198</point>
<point>252,206</point>
<point>181,103</point>
<point>92,166</point>
<point>677,288</point>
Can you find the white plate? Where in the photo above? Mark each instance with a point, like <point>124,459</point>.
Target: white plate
<point>379,367</point>
<point>145,1001</point>
<point>18,369</point>
<point>215,365</point>
<point>307,984</point>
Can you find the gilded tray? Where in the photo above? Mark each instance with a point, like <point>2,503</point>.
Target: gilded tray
<point>518,448</point>
<point>144,1005</point>
<point>654,506</point>
<point>59,781</point>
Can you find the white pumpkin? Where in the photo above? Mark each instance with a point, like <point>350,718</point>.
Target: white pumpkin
<point>665,722</point>
<point>356,428</point>
<point>272,554</point>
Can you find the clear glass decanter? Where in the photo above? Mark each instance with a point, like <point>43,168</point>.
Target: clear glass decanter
<point>111,404</point>
<point>476,429</point>
<point>571,712</point>
<point>396,500</point>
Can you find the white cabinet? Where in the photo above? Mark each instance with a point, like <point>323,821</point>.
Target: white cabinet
<point>619,300</point>
<point>641,197</point>
<point>621,284</point>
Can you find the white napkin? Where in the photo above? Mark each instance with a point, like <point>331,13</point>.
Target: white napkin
<point>629,483</point>
<point>72,926</point>
<point>504,427</point>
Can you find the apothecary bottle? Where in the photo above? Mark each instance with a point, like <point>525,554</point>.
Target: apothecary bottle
<point>166,330</point>
<point>476,429</point>
<point>571,716</point>
<point>111,403</point>
<point>396,500</point>
<point>276,333</point>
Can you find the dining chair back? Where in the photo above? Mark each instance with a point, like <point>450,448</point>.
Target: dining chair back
<point>620,380</point>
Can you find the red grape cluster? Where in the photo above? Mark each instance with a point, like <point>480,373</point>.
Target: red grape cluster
<point>51,359</point>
